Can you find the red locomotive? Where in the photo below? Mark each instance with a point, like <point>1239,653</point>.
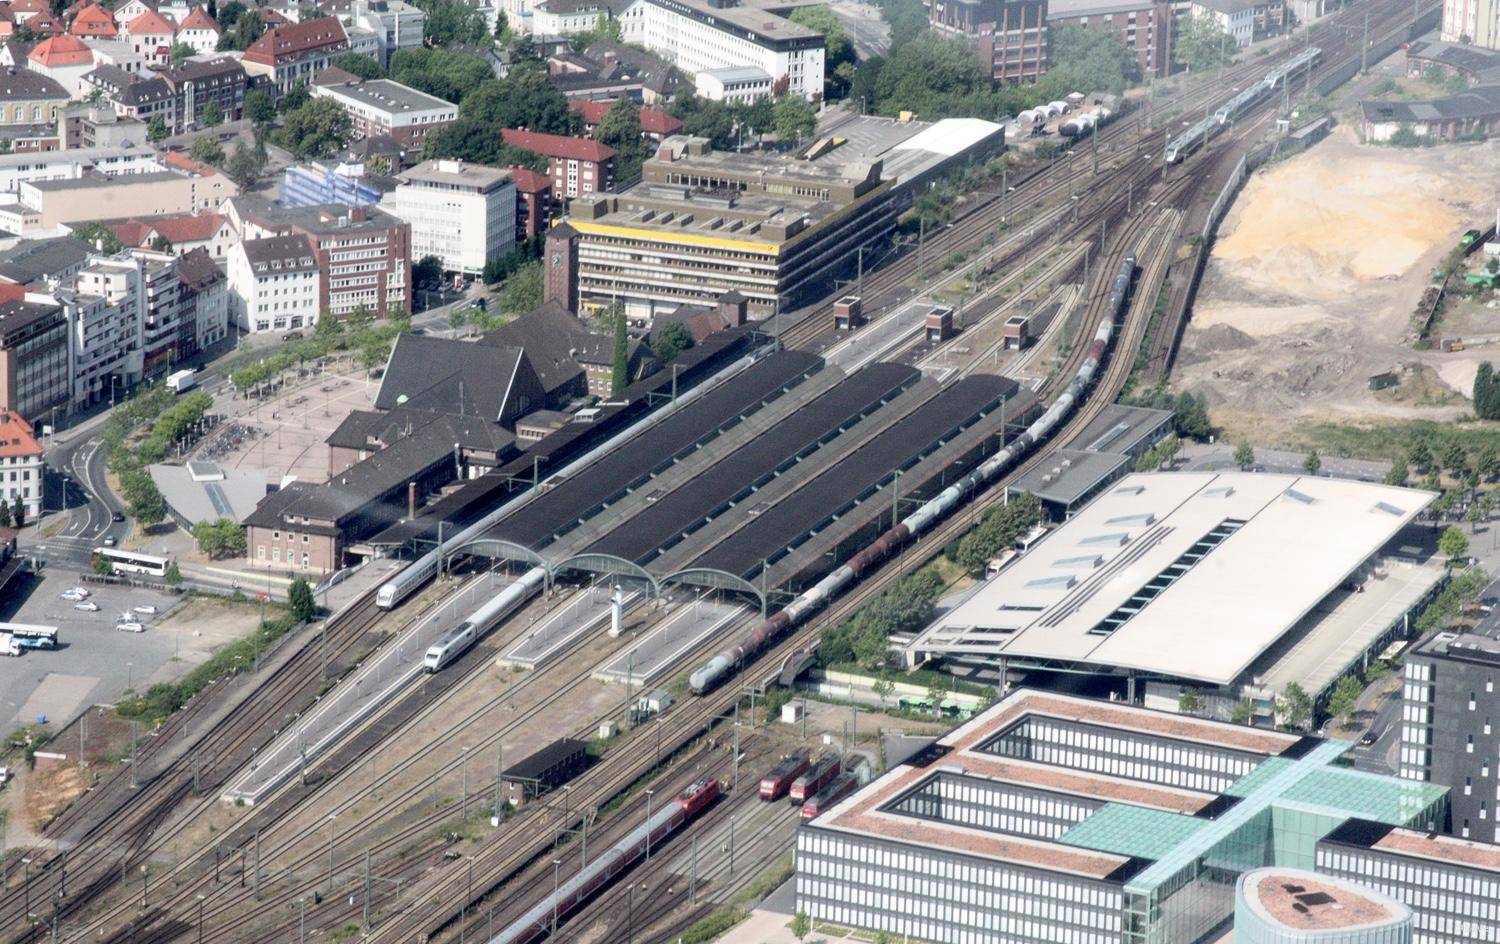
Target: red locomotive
<point>775,784</point>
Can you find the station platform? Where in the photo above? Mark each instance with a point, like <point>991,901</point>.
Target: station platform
<point>557,631</point>
<point>658,651</point>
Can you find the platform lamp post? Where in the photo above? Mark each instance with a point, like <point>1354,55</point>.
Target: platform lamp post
<point>200,917</point>
<point>648,825</point>
<point>27,862</point>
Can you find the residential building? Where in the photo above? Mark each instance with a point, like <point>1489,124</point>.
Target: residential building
<point>105,307</point>
<point>465,214</point>
<point>205,289</point>
<point>37,265</point>
<point>130,9</point>
<point>196,83</point>
<point>151,35</point>
<point>362,253</point>
<point>1146,27</point>
<point>23,11</point>
<point>274,284</point>
<point>696,35</point>
<point>736,84</point>
<point>81,125</point>
<point>211,232</point>
<point>22,472</point>
<point>93,22</point>
<point>395,23</point>
<point>29,98</point>
<point>345,183</point>
<point>45,204</point>
<point>1051,817</point>
<point>642,75</point>
<point>1010,35</point>
<point>295,52</point>
<point>65,59</point>
<point>168,321</point>
<point>118,53</point>
<point>383,107</point>
<point>34,356</point>
<point>200,31</point>
<point>656,125</point>
<point>1235,17</point>
<point>1471,23</point>
<point>135,96</point>
<point>565,17</point>
<point>533,201</point>
<point>16,169</point>
<point>577,166</point>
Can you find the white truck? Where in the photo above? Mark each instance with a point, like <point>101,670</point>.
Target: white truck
<point>9,646</point>
<point>182,381</point>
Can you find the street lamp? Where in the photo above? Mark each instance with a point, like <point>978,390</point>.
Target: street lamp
<point>200,917</point>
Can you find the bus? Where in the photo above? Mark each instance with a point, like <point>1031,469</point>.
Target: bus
<point>30,637</point>
<point>131,562</point>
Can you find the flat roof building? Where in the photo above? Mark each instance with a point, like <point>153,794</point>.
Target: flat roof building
<point>1296,906</point>
<point>382,107</point>
<point>1101,453</point>
<point>1053,818</point>
<point>1232,583</point>
<point>465,214</point>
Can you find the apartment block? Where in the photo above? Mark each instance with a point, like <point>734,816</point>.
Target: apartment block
<point>274,284</point>
<point>22,473</point>
<point>577,166</point>
<point>34,362</point>
<point>295,52</point>
<point>382,107</point>
<point>1010,36</point>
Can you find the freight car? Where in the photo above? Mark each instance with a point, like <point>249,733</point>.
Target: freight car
<point>728,661</point>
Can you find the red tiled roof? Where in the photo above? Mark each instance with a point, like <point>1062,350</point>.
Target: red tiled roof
<point>271,17</point>
<point>557,145</point>
<point>659,122</point>
<point>29,6</point>
<point>93,21</point>
<point>131,232</point>
<point>45,22</point>
<point>150,23</point>
<point>16,439</point>
<point>199,19</point>
<point>61,51</point>
<point>182,161</point>
<point>294,39</point>
<point>176,229</point>
<point>591,111</point>
<point>529,181</point>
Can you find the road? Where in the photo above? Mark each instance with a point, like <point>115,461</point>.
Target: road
<point>1203,458</point>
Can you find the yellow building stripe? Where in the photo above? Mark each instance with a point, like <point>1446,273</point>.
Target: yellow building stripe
<point>658,236</point>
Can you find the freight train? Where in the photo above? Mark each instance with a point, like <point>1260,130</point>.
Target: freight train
<point>1085,123</point>
<point>580,888</point>
<point>728,661</point>
<point>1187,142</point>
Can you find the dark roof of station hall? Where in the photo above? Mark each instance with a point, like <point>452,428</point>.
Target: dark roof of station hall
<point>536,523</point>
<point>783,526</point>
<point>661,523</point>
<point>446,376</point>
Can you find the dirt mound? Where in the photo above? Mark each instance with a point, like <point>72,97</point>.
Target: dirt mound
<point>1219,337</point>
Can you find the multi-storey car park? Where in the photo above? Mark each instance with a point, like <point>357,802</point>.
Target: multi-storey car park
<point>1053,818</point>
<point>1305,577</point>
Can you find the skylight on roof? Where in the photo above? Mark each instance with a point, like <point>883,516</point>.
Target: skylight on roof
<point>1297,496</point>
<point>1223,491</point>
<point>1130,489</point>
<point>1389,509</point>
<point>1085,560</point>
<point>1145,517</point>
<point>1117,538</point>
<point>1056,582</point>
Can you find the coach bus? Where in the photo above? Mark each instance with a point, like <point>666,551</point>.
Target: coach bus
<point>31,637</point>
<point>131,562</point>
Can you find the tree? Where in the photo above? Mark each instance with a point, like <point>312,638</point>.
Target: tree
<point>1294,706</point>
<point>358,64</point>
<point>427,272</point>
<point>838,55</point>
<point>1312,462</point>
<point>103,567</point>
<point>1244,456</point>
<point>996,531</point>
<point>173,576</point>
<point>522,291</point>
<point>1093,57</point>
<point>1190,417</point>
<point>450,21</point>
<point>156,129</point>
<point>221,538</point>
<point>1474,516</point>
<point>206,150</point>
<point>1202,43</point>
<point>1398,473</point>
<point>621,373</point>
<point>1454,545</point>
<point>1487,463</point>
<point>182,52</point>
<point>1189,702</point>
<point>1345,698</point>
<point>244,166</point>
<point>316,129</point>
<point>212,116</point>
<point>260,107</point>
<point>620,128</point>
<point>101,237</point>
<point>1244,711</point>
<point>670,340</point>
<point>794,118</point>
<point>299,598</point>
<point>1419,456</point>
<point>801,925</point>
<point>4,510</point>
<point>160,243</point>
<point>18,515</point>
<point>1454,458</point>
<point>458,318</point>
<point>1167,450</point>
<point>295,98</point>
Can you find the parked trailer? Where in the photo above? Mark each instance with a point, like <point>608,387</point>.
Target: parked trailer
<point>779,779</point>
<point>840,787</point>
<point>728,661</point>
<point>534,924</point>
<point>818,776</point>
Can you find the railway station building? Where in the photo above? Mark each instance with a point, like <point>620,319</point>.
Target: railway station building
<point>703,223</point>
<point>1231,585</point>
<point>1058,819</point>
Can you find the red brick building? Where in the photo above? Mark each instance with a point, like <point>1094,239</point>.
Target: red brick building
<point>1010,35</point>
<point>655,125</point>
<point>577,166</point>
<point>1145,26</point>
<point>295,52</point>
<point>533,201</point>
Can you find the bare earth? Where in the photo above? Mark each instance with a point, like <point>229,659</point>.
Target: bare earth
<point>1312,281</point>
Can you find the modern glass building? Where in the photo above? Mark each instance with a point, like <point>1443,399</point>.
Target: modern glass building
<point>1065,820</point>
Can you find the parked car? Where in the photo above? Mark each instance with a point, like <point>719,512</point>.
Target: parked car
<point>72,596</point>
<point>87,606</point>
<point>130,626</point>
<point>145,609</point>
<point>117,516</point>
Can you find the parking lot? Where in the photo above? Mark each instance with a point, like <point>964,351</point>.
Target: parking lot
<point>95,663</point>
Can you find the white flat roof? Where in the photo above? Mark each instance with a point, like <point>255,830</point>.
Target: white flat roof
<point>1286,542</point>
<point>951,136</point>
